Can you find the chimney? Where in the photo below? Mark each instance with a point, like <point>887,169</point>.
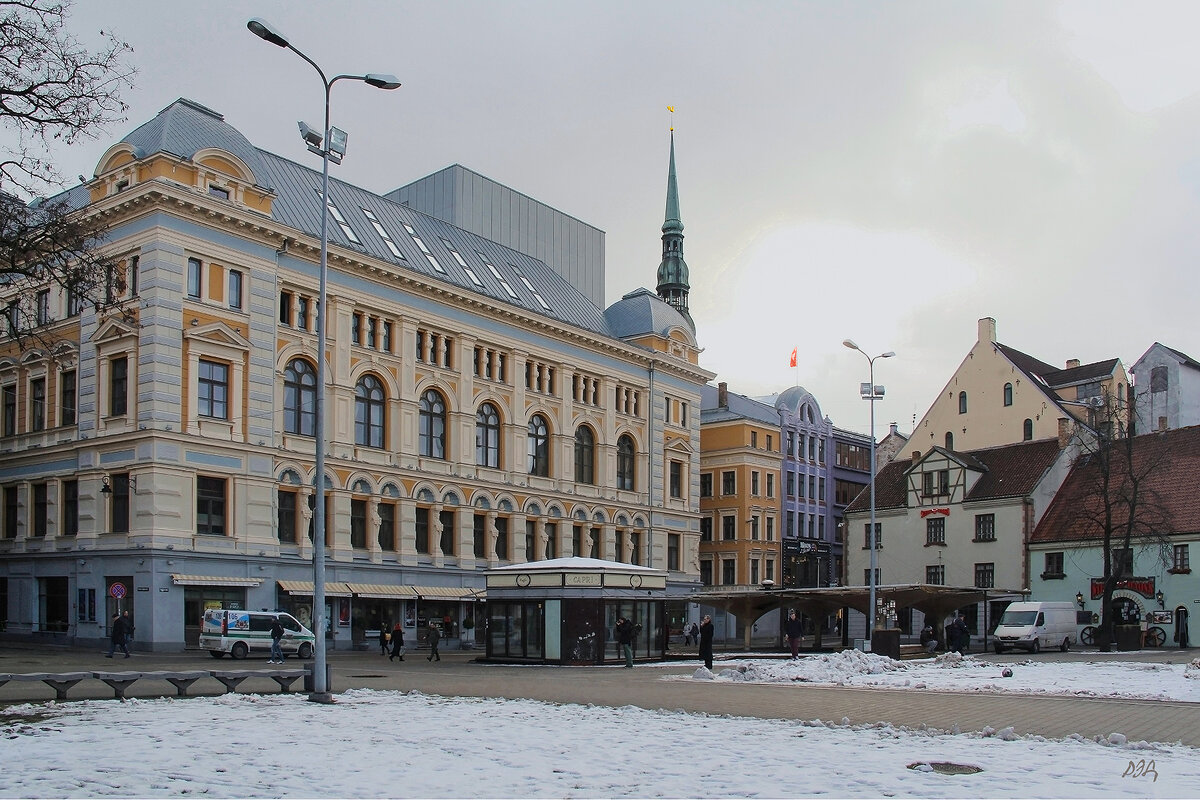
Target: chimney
<point>893,431</point>
<point>916,457</point>
<point>1072,363</point>
<point>722,395</point>
<point>1064,433</point>
<point>987,330</point>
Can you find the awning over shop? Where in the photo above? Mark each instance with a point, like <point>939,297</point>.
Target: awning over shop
<point>332,588</point>
<point>212,580</point>
<point>381,591</point>
<point>447,592</point>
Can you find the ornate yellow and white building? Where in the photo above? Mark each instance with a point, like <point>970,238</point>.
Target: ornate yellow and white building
<point>481,409</point>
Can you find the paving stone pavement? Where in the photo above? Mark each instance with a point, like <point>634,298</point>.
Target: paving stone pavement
<point>649,686</point>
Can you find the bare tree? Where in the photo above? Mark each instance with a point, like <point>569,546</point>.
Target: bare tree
<point>1118,478</point>
<point>53,90</point>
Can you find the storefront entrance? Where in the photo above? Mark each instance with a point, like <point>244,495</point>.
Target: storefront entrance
<point>198,599</point>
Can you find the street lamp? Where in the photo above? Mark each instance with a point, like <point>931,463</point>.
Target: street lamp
<point>869,391</point>
<point>330,144</point>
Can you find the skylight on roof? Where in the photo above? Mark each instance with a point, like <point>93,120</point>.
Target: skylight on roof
<point>536,296</point>
<point>383,234</point>
<point>421,244</point>
<point>470,272</point>
<point>496,274</point>
<point>340,220</point>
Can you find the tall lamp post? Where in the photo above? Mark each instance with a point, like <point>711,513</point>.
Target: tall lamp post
<point>869,391</point>
<point>330,144</point>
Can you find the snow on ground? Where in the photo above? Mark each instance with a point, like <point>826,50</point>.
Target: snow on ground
<point>952,672</point>
<point>392,744</point>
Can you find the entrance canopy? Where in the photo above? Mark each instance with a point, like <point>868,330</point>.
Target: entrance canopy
<point>935,601</point>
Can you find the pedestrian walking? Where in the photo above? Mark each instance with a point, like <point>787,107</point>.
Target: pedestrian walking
<point>435,636</point>
<point>397,642</point>
<point>794,629</point>
<point>384,635</point>
<point>116,637</point>
<point>276,642</point>
<point>624,633</point>
<point>706,640</point>
<point>695,633</point>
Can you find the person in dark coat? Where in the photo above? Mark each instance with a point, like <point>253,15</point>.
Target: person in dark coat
<point>929,638</point>
<point>276,642</point>
<point>120,630</point>
<point>624,633</point>
<point>435,636</point>
<point>958,637</point>
<point>706,640</point>
<point>384,632</point>
<point>397,642</point>
<point>794,629</point>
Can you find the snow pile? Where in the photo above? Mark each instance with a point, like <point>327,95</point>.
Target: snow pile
<point>1192,670</point>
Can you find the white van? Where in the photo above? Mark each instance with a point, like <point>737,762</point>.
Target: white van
<point>239,632</point>
<point>1032,626</point>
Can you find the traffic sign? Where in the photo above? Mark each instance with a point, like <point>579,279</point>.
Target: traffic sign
<point>117,590</point>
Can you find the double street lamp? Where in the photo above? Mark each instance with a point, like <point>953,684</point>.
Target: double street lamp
<point>330,144</point>
<point>870,391</point>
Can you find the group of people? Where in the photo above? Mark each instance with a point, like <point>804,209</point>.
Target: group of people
<point>396,640</point>
<point>958,636</point>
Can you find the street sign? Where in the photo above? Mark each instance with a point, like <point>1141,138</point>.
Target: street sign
<point>117,590</point>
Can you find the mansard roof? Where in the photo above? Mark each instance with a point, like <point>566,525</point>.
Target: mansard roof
<point>643,312</point>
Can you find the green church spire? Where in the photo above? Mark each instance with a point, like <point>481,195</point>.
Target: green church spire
<point>673,271</point>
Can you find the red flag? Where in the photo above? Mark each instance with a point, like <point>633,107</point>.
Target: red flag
<point>793,362</point>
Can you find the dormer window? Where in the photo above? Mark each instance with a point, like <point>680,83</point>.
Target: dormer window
<point>121,186</point>
<point>218,191</point>
<point>935,483</point>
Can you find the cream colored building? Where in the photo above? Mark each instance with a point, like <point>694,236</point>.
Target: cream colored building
<point>480,409</point>
<point>999,395</point>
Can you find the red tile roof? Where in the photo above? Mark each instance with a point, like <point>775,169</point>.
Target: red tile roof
<point>1170,464</point>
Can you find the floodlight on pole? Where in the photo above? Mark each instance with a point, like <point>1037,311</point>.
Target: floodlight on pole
<point>872,392</point>
<point>265,31</point>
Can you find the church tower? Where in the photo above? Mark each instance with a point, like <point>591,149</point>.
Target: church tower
<point>673,271</point>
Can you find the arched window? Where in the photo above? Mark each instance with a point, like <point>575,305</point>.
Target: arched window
<point>962,402</point>
<point>625,463</point>
<point>1028,432</point>
<point>433,425</point>
<point>1008,394</point>
<point>299,398</point>
<point>487,436</point>
<point>585,455</point>
<point>368,412</point>
<point>949,440</point>
<point>539,446</point>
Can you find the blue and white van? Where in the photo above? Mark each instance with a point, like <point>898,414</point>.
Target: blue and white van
<point>240,633</point>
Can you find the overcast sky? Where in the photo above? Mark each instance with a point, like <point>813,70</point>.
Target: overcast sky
<point>887,172</point>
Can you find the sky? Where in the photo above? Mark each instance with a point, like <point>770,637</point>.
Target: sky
<point>396,744</point>
<point>888,173</point>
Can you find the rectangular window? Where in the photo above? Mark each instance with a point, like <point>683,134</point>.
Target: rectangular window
<point>728,483</point>
<point>770,529</point>
<point>985,527</point>
<point>302,313</point>
<point>791,484</point>
<point>728,572</point>
<point>1122,561</point>
<point>706,529</point>
<point>673,551</point>
<point>754,483</point>
<point>356,329</point>
<point>119,502</point>
<point>676,479</point>
<point>43,307</point>
<point>194,278</point>
<point>235,289</point>
<point>770,570</point>
<point>754,529</point>
<point>820,490</point>
<point>770,443</point>
<point>219,192</point>
<point>213,390</point>
<point>387,526</point>
<point>85,609</point>
<point>754,439</point>
<point>728,529</point>
<point>1180,561</point>
<point>133,274</point>
<point>706,484</point>
<point>67,398</point>
<point>10,512</point>
<point>449,531</point>
<point>285,519</point>
<point>40,507</point>
<point>935,530</point>
<point>821,452</point>
<point>285,308</point>
<point>706,573</point>
<point>867,535</point>
<point>943,481</point>
<point>812,488</point>
<point>791,524</point>
<point>754,572</point>
<point>477,534</point>
<point>386,345</point>
<point>770,484</point>
<point>210,506</point>
<point>985,576</point>
<point>37,404</point>
<point>867,577</point>
<point>1054,566</point>
<point>358,523</point>
<point>74,303</point>
<point>421,529</point>
<point>69,500</point>
<point>935,574</point>
<point>118,386</point>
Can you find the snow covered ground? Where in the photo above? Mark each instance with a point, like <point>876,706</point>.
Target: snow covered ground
<point>394,744</point>
<point>952,672</point>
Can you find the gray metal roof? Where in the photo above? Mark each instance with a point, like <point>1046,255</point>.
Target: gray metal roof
<point>641,312</point>
<point>740,407</point>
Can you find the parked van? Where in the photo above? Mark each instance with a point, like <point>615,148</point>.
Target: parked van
<point>1032,626</point>
<point>240,632</point>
